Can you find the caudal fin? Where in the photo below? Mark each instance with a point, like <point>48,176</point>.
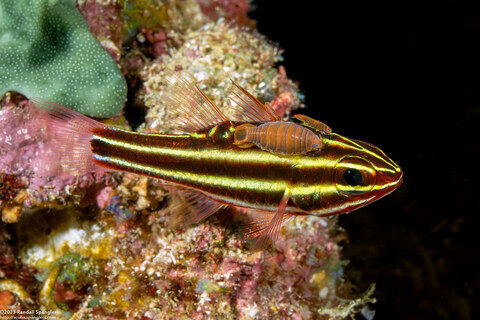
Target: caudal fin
<point>69,151</point>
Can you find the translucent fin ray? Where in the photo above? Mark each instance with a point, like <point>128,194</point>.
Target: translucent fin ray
<point>197,111</point>
<point>71,133</point>
<point>195,207</point>
<point>247,108</point>
<point>271,232</point>
<point>258,220</point>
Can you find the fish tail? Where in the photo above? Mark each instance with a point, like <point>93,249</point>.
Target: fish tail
<point>69,150</point>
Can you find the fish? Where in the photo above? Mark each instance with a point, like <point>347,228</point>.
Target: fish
<point>252,159</point>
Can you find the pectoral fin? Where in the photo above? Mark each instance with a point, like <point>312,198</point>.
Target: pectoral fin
<point>268,232</point>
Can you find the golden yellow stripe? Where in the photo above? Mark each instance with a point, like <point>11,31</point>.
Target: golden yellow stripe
<point>252,156</point>
<point>198,179</point>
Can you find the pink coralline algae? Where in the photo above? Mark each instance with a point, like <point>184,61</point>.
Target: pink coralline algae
<point>23,141</point>
<point>19,140</point>
<point>101,247</point>
<point>287,97</point>
<point>105,24</point>
<point>157,42</point>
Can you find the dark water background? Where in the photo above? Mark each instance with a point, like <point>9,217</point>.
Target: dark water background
<point>405,76</point>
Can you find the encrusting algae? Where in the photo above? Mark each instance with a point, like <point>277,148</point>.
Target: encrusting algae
<point>99,245</point>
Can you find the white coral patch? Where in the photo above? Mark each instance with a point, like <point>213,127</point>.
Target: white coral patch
<point>60,232</point>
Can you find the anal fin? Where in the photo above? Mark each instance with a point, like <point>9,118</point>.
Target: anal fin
<point>195,207</point>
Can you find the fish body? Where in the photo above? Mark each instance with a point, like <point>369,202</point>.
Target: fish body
<point>251,177</point>
<point>277,175</point>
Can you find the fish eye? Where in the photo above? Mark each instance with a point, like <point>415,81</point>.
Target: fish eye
<point>354,175</point>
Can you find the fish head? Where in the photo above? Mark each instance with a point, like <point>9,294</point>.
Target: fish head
<point>359,173</point>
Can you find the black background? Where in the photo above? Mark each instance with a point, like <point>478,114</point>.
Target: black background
<point>404,76</point>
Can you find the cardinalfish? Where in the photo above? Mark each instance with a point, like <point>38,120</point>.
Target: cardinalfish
<point>252,159</point>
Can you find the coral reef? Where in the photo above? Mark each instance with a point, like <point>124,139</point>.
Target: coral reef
<point>235,11</point>
<point>23,138</point>
<point>48,51</point>
<point>105,24</point>
<point>100,247</point>
<point>245,57</point>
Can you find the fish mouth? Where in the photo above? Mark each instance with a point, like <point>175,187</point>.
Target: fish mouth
<point>396,179</point>
<point>400,181</point>
<point>399,176</point>
<point>390,183</point>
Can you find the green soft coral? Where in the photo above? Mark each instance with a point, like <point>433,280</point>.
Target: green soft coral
<point>47,51</point>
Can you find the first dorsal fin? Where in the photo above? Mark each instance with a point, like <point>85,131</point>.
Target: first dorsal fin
<point>197,111</point>
<point>247,108</point>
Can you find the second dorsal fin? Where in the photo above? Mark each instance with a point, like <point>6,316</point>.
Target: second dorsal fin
<point>248,108</point>
<point>197,111</point>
